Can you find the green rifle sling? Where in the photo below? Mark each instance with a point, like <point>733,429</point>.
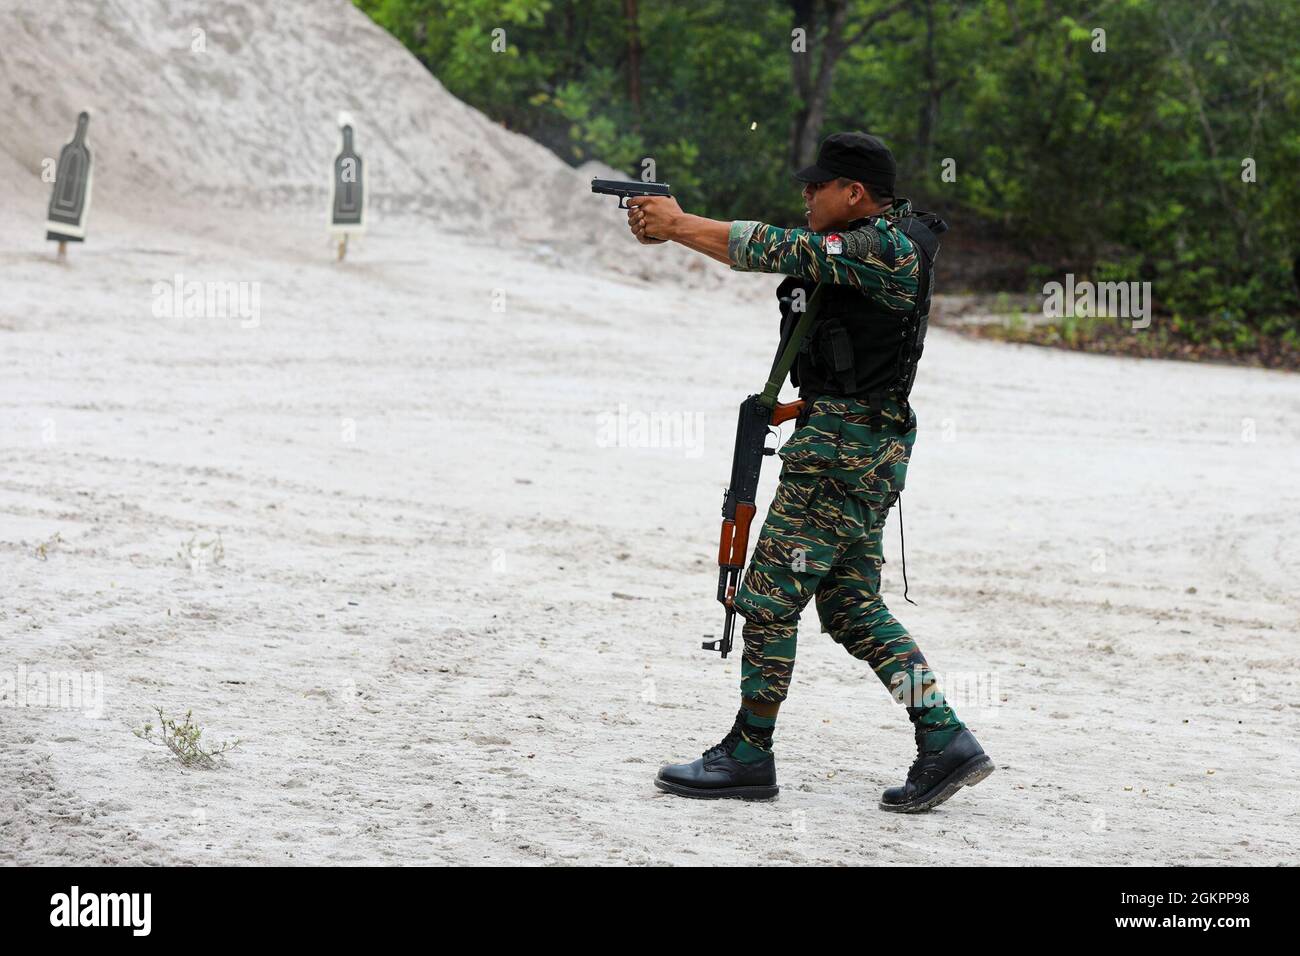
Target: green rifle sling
<point>781,368</point>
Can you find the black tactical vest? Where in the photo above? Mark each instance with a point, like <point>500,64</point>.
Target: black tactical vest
<point>858,348</point>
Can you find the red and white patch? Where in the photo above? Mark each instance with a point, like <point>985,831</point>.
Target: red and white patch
<point>834,244</point>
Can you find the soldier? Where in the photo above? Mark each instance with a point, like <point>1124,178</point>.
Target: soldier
<point>843,467</point>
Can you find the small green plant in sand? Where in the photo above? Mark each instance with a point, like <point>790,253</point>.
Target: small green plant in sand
<point>45,547</point>
<point>182,737</point>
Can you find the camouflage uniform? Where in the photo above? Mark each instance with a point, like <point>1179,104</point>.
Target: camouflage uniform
<point>838,480</point>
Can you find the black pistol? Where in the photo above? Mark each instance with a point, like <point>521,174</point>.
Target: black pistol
<point>623,189</point>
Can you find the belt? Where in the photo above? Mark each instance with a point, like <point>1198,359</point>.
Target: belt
<point>873,400</point>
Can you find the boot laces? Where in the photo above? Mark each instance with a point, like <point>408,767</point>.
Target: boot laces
<point>921,754</point>
<point>729,742</point>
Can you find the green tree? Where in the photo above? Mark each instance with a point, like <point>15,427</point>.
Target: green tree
<point>1116,154</point>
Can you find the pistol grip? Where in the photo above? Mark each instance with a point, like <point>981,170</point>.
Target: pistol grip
<point>785,412</point>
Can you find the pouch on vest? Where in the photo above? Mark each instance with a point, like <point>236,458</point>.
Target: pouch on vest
<point>841,349</point>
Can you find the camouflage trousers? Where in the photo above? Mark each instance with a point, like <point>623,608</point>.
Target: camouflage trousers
<point>822,539</point>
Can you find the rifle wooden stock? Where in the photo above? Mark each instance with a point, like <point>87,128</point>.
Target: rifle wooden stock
<point>738,505</point>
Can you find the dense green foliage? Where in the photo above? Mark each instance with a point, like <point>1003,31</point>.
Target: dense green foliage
<point>1118,165</point>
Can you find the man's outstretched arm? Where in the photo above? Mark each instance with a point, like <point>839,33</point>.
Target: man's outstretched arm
<point>708,236</point>
<point>876,260</point>
<point>663,219</point>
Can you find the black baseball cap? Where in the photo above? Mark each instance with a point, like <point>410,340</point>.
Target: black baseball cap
<point>857,156</point>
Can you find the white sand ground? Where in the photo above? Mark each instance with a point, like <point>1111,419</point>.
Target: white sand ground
<point>454,624</point>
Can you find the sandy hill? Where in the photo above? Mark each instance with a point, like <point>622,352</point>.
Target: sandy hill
<point>246,120</point>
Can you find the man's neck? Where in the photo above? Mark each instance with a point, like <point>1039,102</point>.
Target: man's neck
<point>858,216</point>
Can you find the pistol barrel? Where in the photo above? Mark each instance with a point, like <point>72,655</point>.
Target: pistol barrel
<point>625,188</point>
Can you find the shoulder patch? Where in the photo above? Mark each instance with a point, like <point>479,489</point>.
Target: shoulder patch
<point>862,243</point>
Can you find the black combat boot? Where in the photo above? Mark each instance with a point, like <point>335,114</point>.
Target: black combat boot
<point>937,774</point>
<point>718,774</point>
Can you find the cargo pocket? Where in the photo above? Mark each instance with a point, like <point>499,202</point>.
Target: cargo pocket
<point>880,469</point>
<point>813,447</point>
